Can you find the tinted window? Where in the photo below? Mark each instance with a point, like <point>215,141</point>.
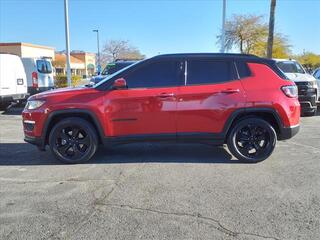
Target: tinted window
<point>208,71</point>
<point>111,68</point>
<point>158,74</point>
<point>243,69</point>
<point>44,66</point>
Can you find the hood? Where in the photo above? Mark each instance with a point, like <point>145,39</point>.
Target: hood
<point>62,91</point>
<point>300,77</point>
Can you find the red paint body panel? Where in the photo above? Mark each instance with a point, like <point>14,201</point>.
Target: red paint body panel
<point>206,108</point>
<point>263,90</point>
<point>140,111</point>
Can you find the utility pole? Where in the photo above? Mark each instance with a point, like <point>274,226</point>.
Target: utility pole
<point>98,45</point>
<point>271,29</point>
<point>223,35</point>
<point>66,16</point>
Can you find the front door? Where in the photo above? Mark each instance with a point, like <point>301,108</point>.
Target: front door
<point>148,106</point>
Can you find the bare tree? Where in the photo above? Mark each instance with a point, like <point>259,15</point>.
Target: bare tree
<point>271,28</point>
<point>119,49</point>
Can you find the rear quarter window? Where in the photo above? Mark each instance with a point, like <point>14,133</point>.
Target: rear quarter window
<point>243,69</point>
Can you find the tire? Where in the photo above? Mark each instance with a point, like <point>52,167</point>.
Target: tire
<point>73,140</point>
<point>252,140</point>
<point>3,106</point>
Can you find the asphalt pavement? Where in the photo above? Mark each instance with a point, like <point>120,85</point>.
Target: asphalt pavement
<point>160,191</point>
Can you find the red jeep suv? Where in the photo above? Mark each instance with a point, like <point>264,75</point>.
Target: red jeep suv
<point>240,100</point>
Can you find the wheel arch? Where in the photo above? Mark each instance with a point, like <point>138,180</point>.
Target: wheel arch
<point>58,115</point>
<point>268,114</point>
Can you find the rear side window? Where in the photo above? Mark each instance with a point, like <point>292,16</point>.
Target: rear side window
<point>157,74</point>
<point>243,69</point>
<point>44,66</point>
<point>209,72</point>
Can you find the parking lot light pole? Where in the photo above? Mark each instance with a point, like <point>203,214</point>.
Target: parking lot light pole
<point>66,16</point>
<point>98,45</point>
<point>223,34</point>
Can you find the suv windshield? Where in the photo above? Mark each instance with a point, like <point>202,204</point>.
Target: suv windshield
<point>116,73</point>
<point>111,68</point>
<point>290,67</point>
<point>44,66</point>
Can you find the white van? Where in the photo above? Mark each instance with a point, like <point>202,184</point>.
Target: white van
<point>13,81</point>
<point>39,74</point>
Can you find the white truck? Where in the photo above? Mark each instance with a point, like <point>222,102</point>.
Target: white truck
<point>13,81</point>
<point>308,90</point>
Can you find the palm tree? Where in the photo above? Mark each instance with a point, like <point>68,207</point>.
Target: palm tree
<point>271,28</point>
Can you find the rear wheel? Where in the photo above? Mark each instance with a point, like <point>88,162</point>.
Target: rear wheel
<point>252,140</point>
<point>4,106</point>
<point>73,140</point>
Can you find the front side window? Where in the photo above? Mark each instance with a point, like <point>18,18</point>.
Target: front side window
<point>209,72</point>
<point>44,66</point>
<point>157,74</point>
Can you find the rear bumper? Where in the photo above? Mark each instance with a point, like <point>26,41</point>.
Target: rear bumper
<point>288,132</point>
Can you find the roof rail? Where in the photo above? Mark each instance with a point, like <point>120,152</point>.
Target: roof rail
<point>210,54</point>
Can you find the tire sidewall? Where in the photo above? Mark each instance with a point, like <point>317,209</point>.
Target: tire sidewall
<point>231,142</point>
<point>86,126</point>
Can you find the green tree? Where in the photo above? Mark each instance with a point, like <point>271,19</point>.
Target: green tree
<point>308,59</point>
<point>243,32</point>
<point>281,47</point>
<point>249,34</point>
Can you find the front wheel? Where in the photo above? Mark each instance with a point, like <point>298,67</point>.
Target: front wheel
<point>73,140</point>
<point>252,140</point>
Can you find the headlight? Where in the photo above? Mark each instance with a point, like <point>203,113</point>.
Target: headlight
<point>312,84</point>
<point>34,104</point>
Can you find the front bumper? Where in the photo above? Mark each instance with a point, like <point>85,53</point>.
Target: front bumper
<point>288,132</point>
<point>13,97</point>
<point>39,142</point>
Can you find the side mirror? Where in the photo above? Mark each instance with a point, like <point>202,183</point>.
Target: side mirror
<point>120,83</point>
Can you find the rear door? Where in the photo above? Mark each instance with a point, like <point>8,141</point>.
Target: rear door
<point>210,94</point>
<point>7,86</point>
<point>148,106</point>
<point>45,74</point>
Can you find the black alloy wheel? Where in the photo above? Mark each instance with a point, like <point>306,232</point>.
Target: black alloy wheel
<point>252,140</point>
<point>73,140</point>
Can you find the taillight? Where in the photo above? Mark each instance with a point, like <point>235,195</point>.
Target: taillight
<point>290,91</point>
<point>34,79</point>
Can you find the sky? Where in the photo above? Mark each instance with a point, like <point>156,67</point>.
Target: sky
<point>153,26</point>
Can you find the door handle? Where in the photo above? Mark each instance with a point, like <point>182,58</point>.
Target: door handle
<point>166,95</point>
<point>229,91</point>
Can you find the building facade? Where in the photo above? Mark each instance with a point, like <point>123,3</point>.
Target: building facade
<point>27,50</point>
<point>81,63</point>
